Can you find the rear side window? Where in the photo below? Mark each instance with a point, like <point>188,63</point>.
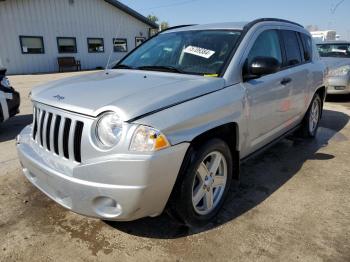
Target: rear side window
<point>291,43</point>
<point>307,43</point>
<point>266,45</point>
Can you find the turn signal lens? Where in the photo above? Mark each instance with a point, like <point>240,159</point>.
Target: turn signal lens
<point>148,139</point>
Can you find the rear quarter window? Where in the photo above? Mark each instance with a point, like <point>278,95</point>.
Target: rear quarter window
<point>307,44</point>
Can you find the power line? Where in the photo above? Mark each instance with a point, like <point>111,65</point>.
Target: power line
<point>334,9</point>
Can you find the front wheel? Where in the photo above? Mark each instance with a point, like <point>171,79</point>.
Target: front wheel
<point>312,118</point>
<point>203,184</point>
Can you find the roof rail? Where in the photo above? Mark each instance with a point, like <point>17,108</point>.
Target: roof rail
<point>260,20</point>
<point>176,27</point>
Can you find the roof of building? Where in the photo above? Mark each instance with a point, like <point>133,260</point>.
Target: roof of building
<point>133,13</point>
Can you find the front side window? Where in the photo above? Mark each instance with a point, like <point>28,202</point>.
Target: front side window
<point>266,45</point>
<point>66,45</point>
<point>32,44</point>
<point>291,43</point>
<point>120,45</point>
<point>192,52</point>
<point>95,45</point>
<point>341,50</point>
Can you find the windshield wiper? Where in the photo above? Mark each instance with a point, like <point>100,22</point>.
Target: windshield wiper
<point>162,68</point>
<point>122,66</point>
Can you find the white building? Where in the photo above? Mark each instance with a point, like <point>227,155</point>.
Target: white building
<point>34,33</point>
<point>321,36</point>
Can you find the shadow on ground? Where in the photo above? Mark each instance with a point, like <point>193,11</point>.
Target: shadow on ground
<point>11,128</point>
<point>339,99</point>
<point>260,177</point>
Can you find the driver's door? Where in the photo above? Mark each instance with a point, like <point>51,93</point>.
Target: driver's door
<point>268,95</point>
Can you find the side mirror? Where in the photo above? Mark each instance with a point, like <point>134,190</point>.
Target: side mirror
<point>262,65</point>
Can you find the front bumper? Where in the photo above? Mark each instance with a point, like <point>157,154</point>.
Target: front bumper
<point>120,188</point>
<point>338,85</point>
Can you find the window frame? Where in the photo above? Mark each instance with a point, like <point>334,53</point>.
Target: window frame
<point>282,49</point>
<point>127,47</point>
<point>95,52</point>
<point>58,46</point>
<point>28,36</point>
<point>140,37</point>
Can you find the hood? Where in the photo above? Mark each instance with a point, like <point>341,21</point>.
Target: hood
<point>335,62</point>
<point>131,93</point>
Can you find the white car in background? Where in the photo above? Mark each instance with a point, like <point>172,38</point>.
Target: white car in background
<point>336,55</point>
<point>9,98</point>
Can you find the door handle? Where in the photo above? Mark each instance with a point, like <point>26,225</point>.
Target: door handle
<point>286,81</point>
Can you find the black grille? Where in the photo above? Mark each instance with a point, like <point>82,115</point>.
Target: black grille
<point>55,132</point>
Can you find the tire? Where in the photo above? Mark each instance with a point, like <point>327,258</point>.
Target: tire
<point>312,118</point>
<point>186,202</point>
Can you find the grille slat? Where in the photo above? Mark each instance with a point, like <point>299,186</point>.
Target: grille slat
<point>56,131</point>
<point>52,130</point>
<point>71,141</point>
<point>66,129</point>
<point>48,131</point>
<point>58,134</point>
<point>44,131</point>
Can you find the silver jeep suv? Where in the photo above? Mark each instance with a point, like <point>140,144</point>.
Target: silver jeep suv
<point>169,125</point>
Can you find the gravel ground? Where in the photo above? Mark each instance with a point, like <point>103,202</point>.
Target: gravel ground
<point>293,204</point>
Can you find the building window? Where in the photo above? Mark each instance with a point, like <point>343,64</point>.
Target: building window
<point>95,45</point>
<point>120,45</point>
<point>66,45</point>
<point>32,44</point>
<point>139,41</point>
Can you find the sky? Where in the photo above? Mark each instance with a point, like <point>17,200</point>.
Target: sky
<point>305,12</point>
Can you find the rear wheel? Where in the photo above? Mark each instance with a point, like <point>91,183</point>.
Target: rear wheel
<point>203,184</point>
<point>312,118</point>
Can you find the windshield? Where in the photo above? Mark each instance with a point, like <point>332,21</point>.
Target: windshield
<point>191,52</point>
<point>334,50</point>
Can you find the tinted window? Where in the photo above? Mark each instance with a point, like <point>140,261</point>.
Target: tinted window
<point>66,45</point>
<point>293,54</point>
<point>120,45</point>
<point>307,43</point>
<point>268,45</point>
<point>95,45</point>
<point>32,44</point>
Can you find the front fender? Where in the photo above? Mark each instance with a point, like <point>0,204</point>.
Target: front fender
<point>185,121</point>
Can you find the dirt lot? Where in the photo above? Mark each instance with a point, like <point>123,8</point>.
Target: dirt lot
<point>293,204</point>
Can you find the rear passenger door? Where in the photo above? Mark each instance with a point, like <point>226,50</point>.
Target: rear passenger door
<point>296,64</point>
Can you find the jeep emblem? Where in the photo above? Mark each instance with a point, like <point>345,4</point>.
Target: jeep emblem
<point>59,98</point>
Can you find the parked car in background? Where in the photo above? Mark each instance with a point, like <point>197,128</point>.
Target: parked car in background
<point>9,98</point>
<point>170,124</point>
<point>336,55</point>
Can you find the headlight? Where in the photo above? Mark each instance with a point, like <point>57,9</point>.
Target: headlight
<point>341,71</point>
<point>148,139</point>
<point>5,82</point>
<point>109,130</point>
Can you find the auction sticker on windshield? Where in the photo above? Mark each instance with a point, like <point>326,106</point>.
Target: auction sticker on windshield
<point>198,51</point>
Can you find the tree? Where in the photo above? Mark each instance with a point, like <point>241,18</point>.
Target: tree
<point>164,25</point>
<point>153,18</point>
